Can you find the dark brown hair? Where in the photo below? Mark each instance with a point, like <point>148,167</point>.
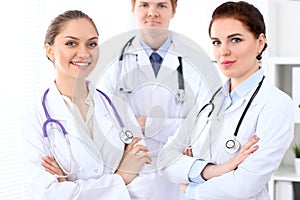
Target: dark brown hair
<point>57,23</point>
<point>246,13</point>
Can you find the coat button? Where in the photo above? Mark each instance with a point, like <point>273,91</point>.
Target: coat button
<point>96,170</point>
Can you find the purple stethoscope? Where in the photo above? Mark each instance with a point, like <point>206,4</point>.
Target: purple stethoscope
<point>125,135</point>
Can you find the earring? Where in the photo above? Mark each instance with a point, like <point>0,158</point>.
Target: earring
<point>259,57</point>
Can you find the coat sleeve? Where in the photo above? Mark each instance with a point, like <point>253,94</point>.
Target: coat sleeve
<point>171,161</point>
<point>45,186</point>
<point>275,128</point>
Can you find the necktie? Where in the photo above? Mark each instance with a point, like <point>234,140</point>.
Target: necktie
<point>156,61</point>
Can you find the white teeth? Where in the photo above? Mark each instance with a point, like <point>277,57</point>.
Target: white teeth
<point>82,64</point>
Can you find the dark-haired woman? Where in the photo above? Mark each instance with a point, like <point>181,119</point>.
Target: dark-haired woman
<point>248,104</point>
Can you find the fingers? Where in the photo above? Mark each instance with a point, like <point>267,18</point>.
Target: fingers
<point>130,146</point>
<point>188,152</point>
<point>49,160</point>
<point>134,148</point>
<point>252,149</point>
<point>138,148</point>
<point>253,140</point>
<point>144,157</point>
<point>49,163</point>
<point>244,152</point>
<point>141,152</point>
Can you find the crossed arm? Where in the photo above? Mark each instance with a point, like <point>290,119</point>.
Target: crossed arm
<point>134,157</point>
<point>211,170</point>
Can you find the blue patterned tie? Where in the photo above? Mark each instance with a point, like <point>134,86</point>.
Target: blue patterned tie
<point>156,61</point>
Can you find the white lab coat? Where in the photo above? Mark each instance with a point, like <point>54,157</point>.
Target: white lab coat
<point>270,117</point>
<point>155,97</point>
<point>96,179</point>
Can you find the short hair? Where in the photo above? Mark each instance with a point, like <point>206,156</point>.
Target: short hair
<point>173,2</point>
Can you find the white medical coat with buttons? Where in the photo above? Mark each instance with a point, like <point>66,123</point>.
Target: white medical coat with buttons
<point>97,161</point>
<point>270,117</point>
<point>154,97</point>
<point>133,80</point>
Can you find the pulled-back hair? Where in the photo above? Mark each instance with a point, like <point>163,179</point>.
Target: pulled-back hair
<point>246,13</point>
<point>57,23</point>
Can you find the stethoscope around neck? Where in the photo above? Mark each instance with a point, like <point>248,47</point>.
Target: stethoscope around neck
<point>126,136</point>
<point>180,96</point>
<point>231,145</point>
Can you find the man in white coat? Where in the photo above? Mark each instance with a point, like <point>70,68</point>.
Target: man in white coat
<point>156,74</point>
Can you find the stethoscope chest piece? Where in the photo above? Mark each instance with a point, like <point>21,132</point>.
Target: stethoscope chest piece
<point>232,146</point>
<point>180,96</point>
<point>126,136</point>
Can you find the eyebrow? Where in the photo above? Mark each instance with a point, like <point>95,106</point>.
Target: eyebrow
<point>229,36</point>
<point>234,34</point>
<point>75,38</point>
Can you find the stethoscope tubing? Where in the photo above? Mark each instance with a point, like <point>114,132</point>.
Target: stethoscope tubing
<point>114,109</point>
<point>180,95</point>
<point>49,119</point>
<point>125,135</point>
<point>230,148</point>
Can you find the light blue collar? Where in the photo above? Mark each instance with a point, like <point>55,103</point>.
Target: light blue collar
<point>162,51</point>
<point>243,89</point>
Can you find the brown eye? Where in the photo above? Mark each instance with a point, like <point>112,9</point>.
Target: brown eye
<point>143,5</point>
<point>93,44</point>
<point>162,6</point>
<point>70,43</point>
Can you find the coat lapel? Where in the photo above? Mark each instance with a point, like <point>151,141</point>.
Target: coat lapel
<point>58,110</point>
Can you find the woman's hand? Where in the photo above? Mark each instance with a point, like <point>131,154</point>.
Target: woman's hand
<point>134,157</point>
<point>51,166</point>
<point>211,170</point>
<point>188,151</point>
<point>244,152</point>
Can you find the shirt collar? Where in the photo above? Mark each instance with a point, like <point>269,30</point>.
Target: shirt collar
<point>162,51</point>
<point>246,86</point>
<point>242,90</point>
<point>88,100</point>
